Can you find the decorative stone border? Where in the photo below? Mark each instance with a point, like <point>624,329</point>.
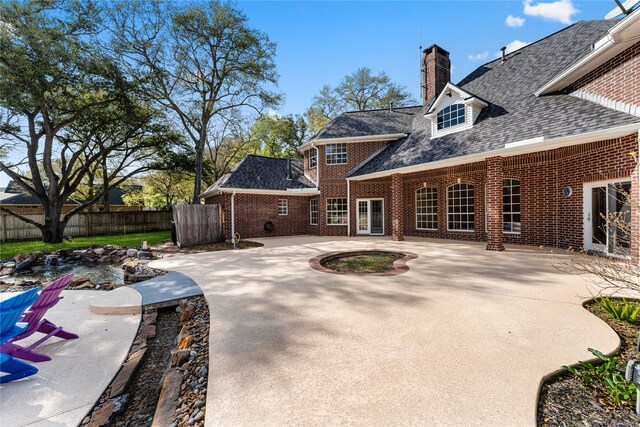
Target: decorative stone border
<point>400,264</point>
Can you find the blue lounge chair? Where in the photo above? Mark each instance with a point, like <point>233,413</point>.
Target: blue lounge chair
<point>10,312</point>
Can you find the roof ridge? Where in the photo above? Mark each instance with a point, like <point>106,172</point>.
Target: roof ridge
<point>272,158</point>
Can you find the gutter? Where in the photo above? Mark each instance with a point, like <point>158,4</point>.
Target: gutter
<point>600,47</point>
<point>287,192</point>
<point>530,145</point>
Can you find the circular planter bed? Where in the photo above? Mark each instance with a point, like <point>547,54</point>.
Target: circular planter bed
<point>365,262</point>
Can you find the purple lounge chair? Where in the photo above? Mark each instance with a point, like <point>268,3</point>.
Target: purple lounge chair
<point>49,296</point>
<point>10,311</point>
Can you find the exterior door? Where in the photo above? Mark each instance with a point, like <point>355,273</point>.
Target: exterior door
<point>607,217</point>
<point>370,216</point>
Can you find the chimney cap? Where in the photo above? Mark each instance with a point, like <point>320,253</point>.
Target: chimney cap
<point>428,49</point>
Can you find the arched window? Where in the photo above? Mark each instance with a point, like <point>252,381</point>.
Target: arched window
<point>427,208</point>
<point>451,116</point>
<point>460,207</point>
<point>511,206</point>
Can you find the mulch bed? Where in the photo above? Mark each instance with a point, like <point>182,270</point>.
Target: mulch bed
<point>566,401</point>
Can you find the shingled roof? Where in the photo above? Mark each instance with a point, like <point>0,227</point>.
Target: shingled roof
<point>514,112</point>
<point>366,123</point>
<point>264,173</point>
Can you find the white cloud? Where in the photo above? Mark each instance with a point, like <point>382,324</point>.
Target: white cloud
<point>513,46</point>
<point>479,56</point>
<point>514,21</point>
<point>559,10</point>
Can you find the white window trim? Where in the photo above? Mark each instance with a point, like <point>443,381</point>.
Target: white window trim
<point>326,210</point>
<point>474,209</point>
<point>317,211</point>
<point>286,207</point>
<point>416,208</point>
<point>326,155</point>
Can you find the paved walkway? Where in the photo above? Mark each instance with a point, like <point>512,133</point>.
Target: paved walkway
<point>463,338</point>
<point>67,387</point>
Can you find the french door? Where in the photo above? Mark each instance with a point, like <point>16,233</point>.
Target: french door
<point>370,218</point>
<point>607,217</point>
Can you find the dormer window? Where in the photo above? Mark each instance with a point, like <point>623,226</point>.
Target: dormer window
<point>451,116</point>
<point>454,110</point>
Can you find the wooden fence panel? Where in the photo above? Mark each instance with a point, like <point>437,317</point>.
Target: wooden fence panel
<point>198,224</point>
<point>89,224</point>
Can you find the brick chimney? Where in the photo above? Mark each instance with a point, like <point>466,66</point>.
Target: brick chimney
<point>436,71</point>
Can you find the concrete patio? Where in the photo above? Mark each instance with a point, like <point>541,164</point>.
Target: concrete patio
<point>463,338</point>
<point>66,387</point>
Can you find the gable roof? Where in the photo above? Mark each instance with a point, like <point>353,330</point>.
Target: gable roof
<point>514,113</point>
<point>264,173</point>
<point>369,123</point>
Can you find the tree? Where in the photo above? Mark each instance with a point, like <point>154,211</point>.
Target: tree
<point>200,60</point>
<point>161,190</point>
<point>277,136</point>
<point>56,74</point>
<point>359,91</point>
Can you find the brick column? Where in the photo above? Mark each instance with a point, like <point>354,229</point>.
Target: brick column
<point>494,204</point>
<point>397,208</point>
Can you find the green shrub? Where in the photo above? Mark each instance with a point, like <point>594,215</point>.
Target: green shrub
<point>620,309</point>
<point>607,376</point>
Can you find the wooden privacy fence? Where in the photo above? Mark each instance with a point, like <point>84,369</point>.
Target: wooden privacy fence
<point>88,224</point>
<point>198,224</point>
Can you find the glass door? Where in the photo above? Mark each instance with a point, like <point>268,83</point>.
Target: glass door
<point>370,216</point>
<point>607,225</point>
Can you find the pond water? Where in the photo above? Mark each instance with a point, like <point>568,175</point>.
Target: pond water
<point>96,273</point>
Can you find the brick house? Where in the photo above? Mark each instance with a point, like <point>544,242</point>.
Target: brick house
<point>530,148</point>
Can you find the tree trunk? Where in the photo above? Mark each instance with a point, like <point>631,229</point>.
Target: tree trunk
<point>198,171</point>
<point>106,204</point>
<point>53,228</point>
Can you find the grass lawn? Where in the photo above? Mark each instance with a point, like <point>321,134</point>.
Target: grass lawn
<point>376,263</point>
<point>134,240</point>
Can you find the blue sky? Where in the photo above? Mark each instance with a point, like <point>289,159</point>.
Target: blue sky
<point>321,42</point>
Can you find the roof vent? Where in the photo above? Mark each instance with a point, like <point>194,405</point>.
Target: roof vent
<point>504,53</point>
<point>390,105</point>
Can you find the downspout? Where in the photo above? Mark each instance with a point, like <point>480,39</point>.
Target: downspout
<point>317,164</point>
<point>348,208</point>
<point>233,219</point>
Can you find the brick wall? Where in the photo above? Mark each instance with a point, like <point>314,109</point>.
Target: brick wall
<point>548,218</point>
<point>618,79</point>
<point>333,183</point>
<point>252,211</point>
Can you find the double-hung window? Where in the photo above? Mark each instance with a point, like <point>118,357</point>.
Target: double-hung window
<point>427,208</point>
<point>460,207</point>
<point>336,211</point>
<point>336,154</point>
<point>283,207</point>
<point>313,212</point>
<point>511,206</point>
<point>313,158</point>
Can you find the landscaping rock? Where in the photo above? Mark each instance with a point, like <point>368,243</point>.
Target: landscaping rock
<point>144,255</point>
<point>102,415</point>
<point>130,266</point>
<point>132,253</point>
<point>179,357</point>
<point>123,378</point>
<point>99,251</point>
<point>168,400</point>
<point>26,263</point>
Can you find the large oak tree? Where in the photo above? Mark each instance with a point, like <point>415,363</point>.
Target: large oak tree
<point>67,107</point>
<point>200,60</point>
